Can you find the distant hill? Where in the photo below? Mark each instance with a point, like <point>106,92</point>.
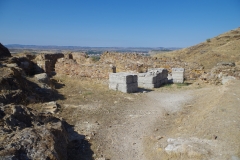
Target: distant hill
<point>222,48</point>
<point>15,47</point>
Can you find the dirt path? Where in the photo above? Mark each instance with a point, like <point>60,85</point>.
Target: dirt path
<point>136,123</point>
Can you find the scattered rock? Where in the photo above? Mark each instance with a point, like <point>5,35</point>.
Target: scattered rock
<point>232,64</point>
<point>50,107</point>
<point>226,79</point>
<point>192,147</point>
<point>43,78</point>
<point>11,65</point>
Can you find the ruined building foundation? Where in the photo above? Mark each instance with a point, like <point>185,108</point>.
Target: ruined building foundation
<point>154,78</point>
<point>124,82</point>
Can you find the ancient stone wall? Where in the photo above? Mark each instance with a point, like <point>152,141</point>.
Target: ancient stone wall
<point>80,65</point>
<point>47,61</point>
<point>71,67</point>
<point>141,64</point>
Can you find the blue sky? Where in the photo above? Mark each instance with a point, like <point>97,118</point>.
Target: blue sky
<point>116,23</point>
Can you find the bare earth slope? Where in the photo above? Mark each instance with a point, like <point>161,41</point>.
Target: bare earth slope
<point>225,47</point>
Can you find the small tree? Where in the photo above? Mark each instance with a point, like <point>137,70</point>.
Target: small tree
<point>208,40</point>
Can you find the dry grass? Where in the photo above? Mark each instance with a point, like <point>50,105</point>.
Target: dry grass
<point>224,47</point>
<point>80,91</point>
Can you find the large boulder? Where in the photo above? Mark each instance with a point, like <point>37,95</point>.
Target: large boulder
<point>4,52</point>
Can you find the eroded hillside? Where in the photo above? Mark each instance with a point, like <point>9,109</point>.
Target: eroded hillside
<point>222,48</point>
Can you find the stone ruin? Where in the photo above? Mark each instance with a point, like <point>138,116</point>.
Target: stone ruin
<point>128,82</point>
<point>154,78</point>
<point>47,62</point>
<point>178,75</point>
<point>124,82</point>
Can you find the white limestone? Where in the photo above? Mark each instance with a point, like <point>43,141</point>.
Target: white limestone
<point>178,75</point>
<point>124,82</point>
<point>154,78</point>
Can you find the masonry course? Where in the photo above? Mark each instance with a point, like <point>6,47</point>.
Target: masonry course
<point>124,82</point>
<point>154,78</point>
<point>178,75</point>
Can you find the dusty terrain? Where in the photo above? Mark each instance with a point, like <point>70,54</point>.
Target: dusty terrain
<point>203,120</point>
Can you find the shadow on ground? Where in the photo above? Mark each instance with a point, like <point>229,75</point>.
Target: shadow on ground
<point>141,90</point>
<point>78,147</point>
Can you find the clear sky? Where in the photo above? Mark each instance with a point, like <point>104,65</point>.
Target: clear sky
<point>116,23</point>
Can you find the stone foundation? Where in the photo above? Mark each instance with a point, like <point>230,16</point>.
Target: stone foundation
<point>154,78</point>
<point>124,82</point>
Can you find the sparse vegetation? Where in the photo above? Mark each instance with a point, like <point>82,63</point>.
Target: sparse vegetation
<point>95,58</point>
<point>218,46</point>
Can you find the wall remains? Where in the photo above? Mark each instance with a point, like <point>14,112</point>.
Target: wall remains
<point>154,78</point>
<point>125,62</point>
<point>47,62</point>
<point>80,65</point>
<point>124,82</point>
<point>71,67</point>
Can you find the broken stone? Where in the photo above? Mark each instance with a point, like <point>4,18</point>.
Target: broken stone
<point>43,78</point>
<point>50,107</point>
<point>226,79</point>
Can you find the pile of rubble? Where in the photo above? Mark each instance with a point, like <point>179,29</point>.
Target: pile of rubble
<point>222,73</point>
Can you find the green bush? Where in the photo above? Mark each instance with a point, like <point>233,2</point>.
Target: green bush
<point>95,58</point>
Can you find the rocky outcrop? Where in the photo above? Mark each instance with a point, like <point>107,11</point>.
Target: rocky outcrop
<point>27,134</point>
<point>18,89</point>
<point>4,52</point>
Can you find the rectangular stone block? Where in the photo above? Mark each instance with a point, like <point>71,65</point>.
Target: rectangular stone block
<point>162,71</point>
<point>178,80</point>
<point>128,88</point>
<point>113,86</point>
<point>159,77</point>
<point>122,78</point>
<point>135,78</point>
<point>147,79</point>
<point>178,75</point>
<point>177,69</point>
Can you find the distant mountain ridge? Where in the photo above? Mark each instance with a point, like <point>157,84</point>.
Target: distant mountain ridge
<point>55,47</point>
